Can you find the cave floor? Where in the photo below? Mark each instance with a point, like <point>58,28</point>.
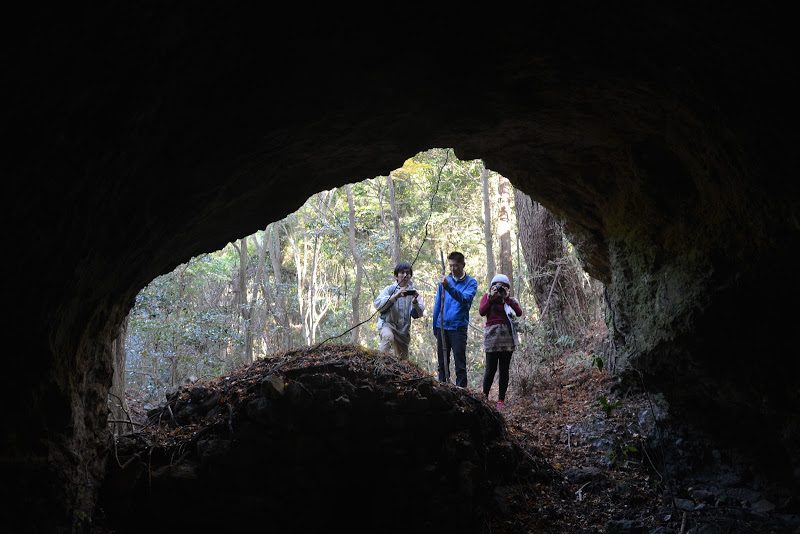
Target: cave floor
<point>608,474</point>
<point>604,478</point>
<point>604,474</point>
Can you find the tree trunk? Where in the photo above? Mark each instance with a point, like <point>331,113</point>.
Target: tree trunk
<point>520,281</point>
<point>359,265</point>
<point>300,266</point>
<point>116,395</point>
<point>542,246</point>
<point>280,299</point>
<point>261,283</point>
<point>244,304</point>
<point>318,301</point>
<point>491,269</point>
<point>312,293</point>
<point>395,221</point>
<point>504,228</point>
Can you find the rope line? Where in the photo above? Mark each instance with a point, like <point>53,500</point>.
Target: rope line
<point>424,238</point>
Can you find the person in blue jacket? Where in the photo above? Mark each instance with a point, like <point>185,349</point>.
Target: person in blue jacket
<point>450,328</point>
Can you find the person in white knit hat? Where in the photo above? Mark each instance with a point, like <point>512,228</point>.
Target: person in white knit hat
<point>499,335</point>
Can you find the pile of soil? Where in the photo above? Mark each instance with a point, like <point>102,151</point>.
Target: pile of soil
<point>337,437</point>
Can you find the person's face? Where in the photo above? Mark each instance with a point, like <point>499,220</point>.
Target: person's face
<point>456,267</point>
<point>403,277</point>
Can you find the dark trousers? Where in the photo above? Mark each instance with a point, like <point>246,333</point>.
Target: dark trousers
<point>492,360</point>
<point>455,341</point>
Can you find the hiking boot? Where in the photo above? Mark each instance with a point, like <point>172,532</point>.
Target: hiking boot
<point>501,406</point>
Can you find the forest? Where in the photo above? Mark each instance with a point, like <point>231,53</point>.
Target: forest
<point>312,277</point>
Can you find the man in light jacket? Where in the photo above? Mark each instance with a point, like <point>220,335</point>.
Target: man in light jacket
<point>398,303</point>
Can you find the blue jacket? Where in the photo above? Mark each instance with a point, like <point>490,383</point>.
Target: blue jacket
<point>458,297</point>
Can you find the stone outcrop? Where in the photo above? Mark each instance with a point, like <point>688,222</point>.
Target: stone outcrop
<point>137,138</point>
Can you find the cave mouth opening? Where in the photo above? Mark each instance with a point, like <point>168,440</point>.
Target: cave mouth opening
<point>437,202</point>
<point>295,282</point>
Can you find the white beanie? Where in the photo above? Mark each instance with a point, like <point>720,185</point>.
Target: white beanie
<point>500,278</point>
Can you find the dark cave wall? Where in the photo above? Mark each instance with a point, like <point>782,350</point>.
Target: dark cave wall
<point>139,138</point>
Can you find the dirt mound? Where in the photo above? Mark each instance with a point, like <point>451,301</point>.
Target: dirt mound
<point>339,437</point>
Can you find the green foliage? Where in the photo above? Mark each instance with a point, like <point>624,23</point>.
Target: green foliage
<point>565,341</point>
<point>623,453</point>
<point>597,361</point>
<point>187,322</point>
<point>176,324</point>
<point>608,406</point>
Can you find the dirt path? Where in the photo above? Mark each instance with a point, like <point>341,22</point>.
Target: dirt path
<point>593,441</point>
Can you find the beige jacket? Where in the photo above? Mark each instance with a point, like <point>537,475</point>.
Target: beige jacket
<point>398,315</point>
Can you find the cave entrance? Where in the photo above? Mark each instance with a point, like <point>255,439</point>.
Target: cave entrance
<point>296,282</point>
